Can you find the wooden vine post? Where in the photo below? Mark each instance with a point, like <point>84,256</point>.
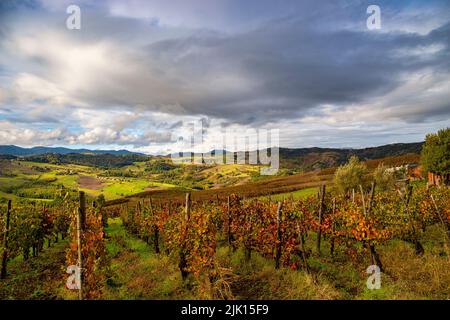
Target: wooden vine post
<point>417,245</point>
<point>183,262</point>
<point>187,212</point>
<point>247,238</point>
<point>155,229</point>
<point>373,252</point>
<point>303,249</point>
<point>81,222</point>
<point>321,212</point>
<point>363,200</point>
<point>279,235</point>
<point>169,212</point>
<point>445,225</point>
<point>229,221</point>
<point>83,209</point>
<point>371,199</point>
<point>5,241</point>
<point>333,229</point>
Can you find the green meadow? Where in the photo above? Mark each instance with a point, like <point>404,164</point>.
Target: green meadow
<point>35,181</point>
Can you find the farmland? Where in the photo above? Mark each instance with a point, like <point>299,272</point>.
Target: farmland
<point>141,258</point>
<point>42,181</point>
<point>28,180</point>
<point>235,158</point>
<point>157,230</point>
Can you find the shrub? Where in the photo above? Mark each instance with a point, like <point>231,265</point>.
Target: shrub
<point>384,179</point>
<point>435,156</point>
<point>350,175</point>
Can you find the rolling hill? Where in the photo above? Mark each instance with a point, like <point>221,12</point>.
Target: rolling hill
<point>307,159</point>
<point>296,159</point>
<point>19,151</point>
<point>319,158</point>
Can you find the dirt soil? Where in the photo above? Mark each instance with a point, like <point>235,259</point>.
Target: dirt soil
<point>89,182</point>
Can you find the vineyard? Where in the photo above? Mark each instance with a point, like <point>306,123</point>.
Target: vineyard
<point>26,229</point>
<point>189,233</point>
<point>355,227</point>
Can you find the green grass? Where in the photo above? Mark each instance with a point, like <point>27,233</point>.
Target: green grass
<point>39,185</point>
<point>116,186</point>
<point>21,186</point>
<point>8,196</point>
<point>303,193</point>
<point>7,183</point>
<point>137,272</point>
<point>258,279</point>
<point>141,274</point>
<point>124,188</point>
<point>13,197</point>
<point>38,278</point>
<point>68,181</point>
<point>407,275</point>
<point>30,188</point>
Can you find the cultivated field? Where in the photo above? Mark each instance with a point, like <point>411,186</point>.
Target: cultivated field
<point>294,236</point>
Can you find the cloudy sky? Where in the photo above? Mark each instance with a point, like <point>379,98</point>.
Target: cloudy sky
<point>138,73</point>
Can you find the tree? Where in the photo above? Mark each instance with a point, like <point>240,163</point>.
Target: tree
<point>384,179</point>
<point>350,175</point>
<point>435,156</point>
<point>101,200</point>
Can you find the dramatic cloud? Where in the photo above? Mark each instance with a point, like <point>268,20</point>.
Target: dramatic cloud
<point>136,74</point>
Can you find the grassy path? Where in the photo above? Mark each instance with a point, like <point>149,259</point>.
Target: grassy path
<point>38,278</point>
<point>137,272</point>
<point>299,194</point>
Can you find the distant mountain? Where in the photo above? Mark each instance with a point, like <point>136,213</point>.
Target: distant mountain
<point>104,160</point>
<point>319,158</point>
<point>297,159</point>
<point>19,151</point>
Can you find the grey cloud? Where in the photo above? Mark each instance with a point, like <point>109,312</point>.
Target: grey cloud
<point>294,71</point>
<point>289,67</point>
<point>278,65</point>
